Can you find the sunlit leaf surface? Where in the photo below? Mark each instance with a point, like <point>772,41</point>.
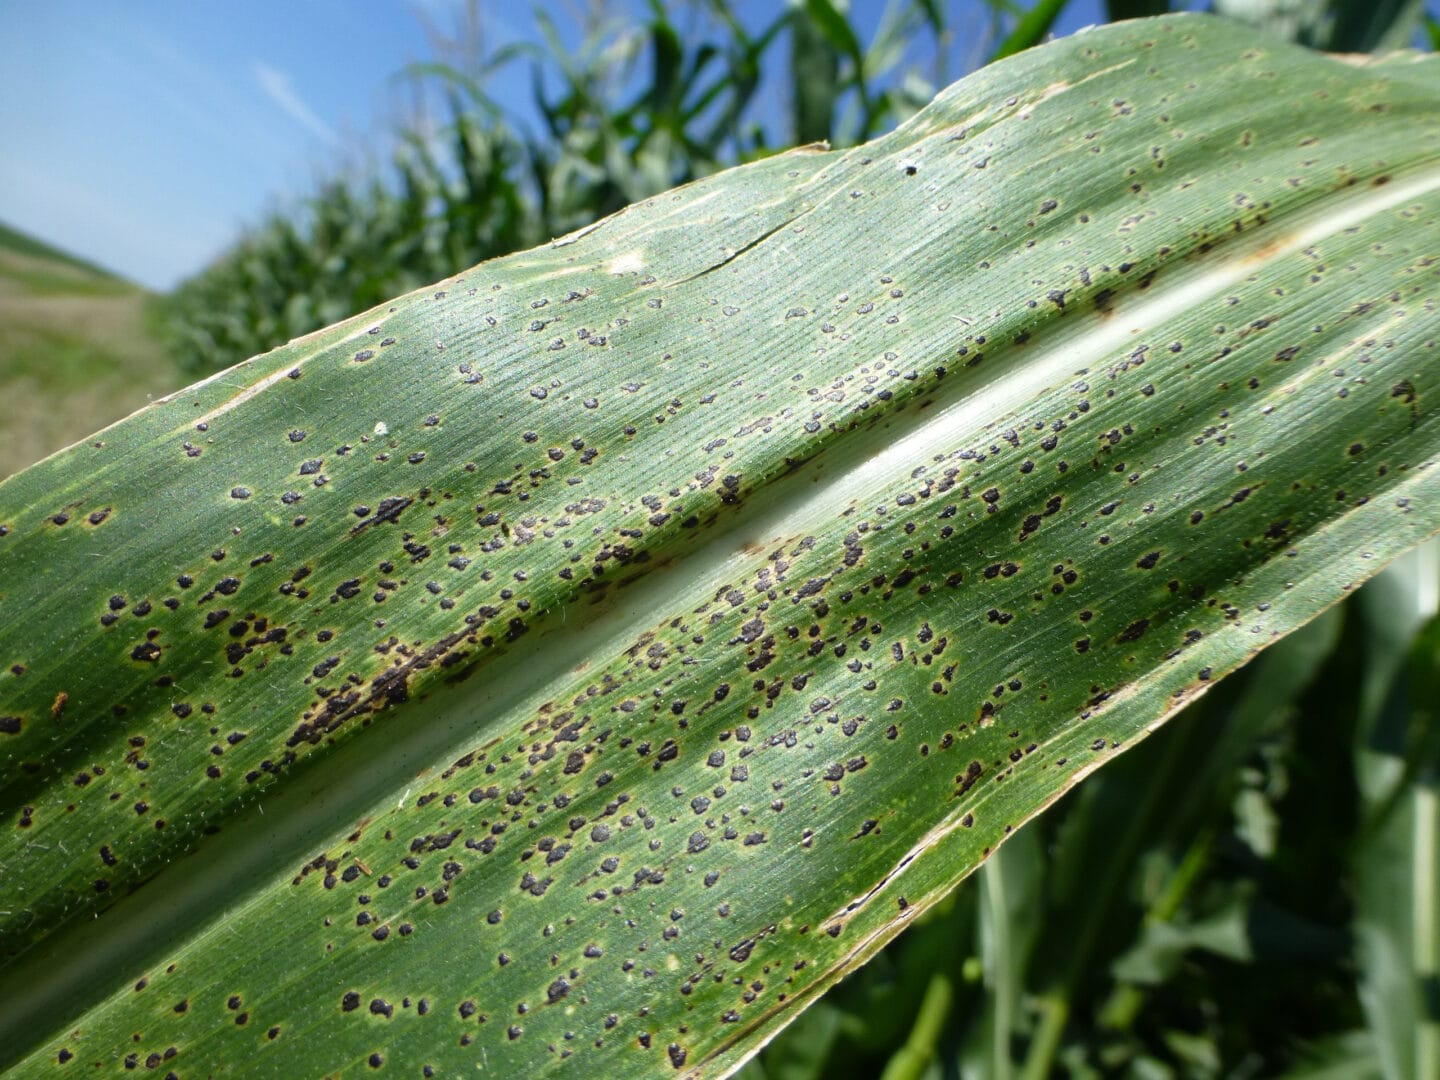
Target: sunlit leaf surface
<point>582,663</point>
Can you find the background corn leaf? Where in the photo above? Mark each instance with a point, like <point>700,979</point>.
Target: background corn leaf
<point>1031,28</point>
<point>597,654</point>
<point>1398,858</point>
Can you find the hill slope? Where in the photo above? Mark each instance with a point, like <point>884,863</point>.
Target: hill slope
<point>75,350</point>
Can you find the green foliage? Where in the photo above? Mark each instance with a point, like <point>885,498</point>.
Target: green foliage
<point>1346,26</point>
<point>658,625</point>
<point>633,111</point>
<point>1234,896</point>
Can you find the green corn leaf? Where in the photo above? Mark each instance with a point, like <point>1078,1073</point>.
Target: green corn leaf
<point>579,665</point>
<point>1397,911</point>
<point>1030,28</point>
<point>816,84</point>
<point>1116,10</point>
<point>831,21</point>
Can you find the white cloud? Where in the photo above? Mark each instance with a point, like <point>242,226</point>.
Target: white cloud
<point>276,85</point>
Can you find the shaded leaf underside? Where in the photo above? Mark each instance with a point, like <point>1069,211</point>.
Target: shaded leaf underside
<point>596,655</point>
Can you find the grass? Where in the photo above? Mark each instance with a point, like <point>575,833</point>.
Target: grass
<point>77,351</point>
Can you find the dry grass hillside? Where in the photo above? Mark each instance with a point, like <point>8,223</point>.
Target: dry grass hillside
<point>76,352</point>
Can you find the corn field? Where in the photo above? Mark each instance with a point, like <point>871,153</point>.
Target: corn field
<point>1251,891</point>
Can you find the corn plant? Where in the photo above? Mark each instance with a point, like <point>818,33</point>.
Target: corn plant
<point>635,110</point>
<point>581,664</point>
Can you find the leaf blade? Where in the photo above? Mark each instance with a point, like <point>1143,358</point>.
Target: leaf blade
<point>1049,328</point>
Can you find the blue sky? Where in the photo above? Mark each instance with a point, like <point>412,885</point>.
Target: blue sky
<point>144,134</point>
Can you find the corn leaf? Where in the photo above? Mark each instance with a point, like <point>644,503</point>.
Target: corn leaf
<point>581,664</point>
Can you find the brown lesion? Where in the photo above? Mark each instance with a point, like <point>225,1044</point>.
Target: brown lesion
<point>389,510</point>
<point>389,687</point>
